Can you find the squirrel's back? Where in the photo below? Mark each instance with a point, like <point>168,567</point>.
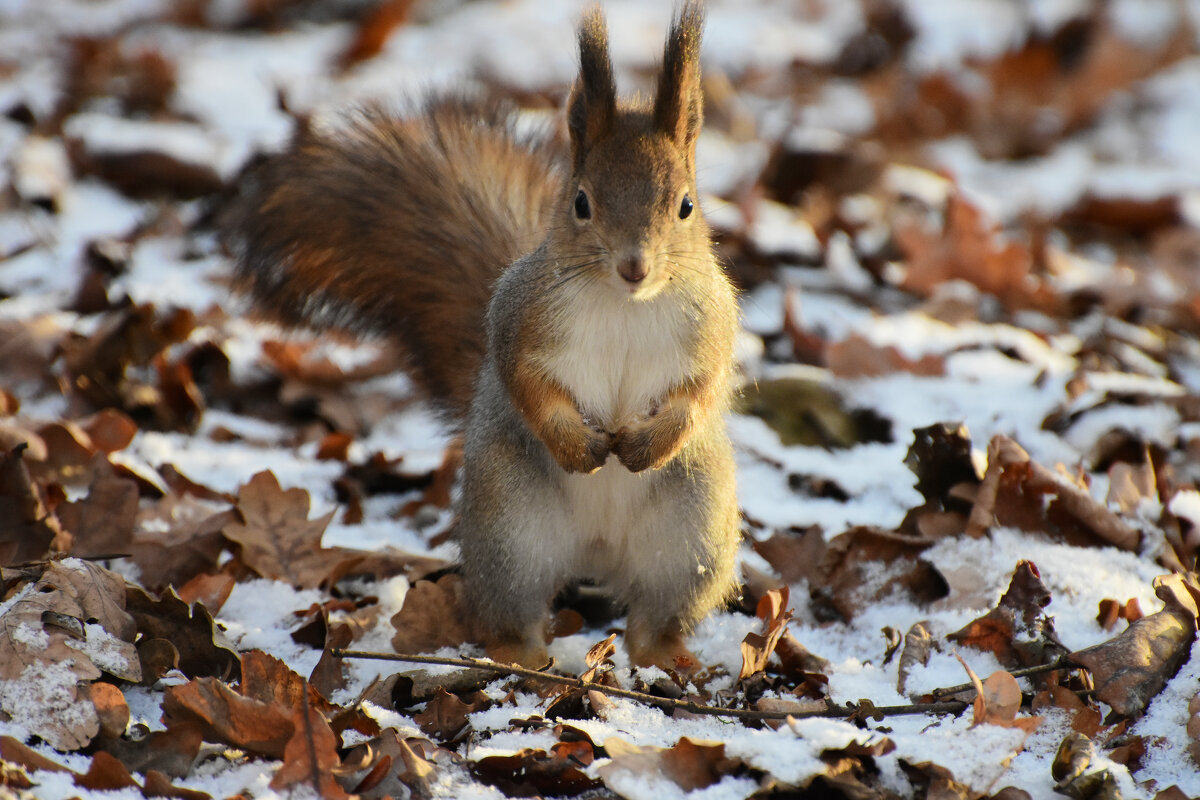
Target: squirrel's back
<point>399,226</point>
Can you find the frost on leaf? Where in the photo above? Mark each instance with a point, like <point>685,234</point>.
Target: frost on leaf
<point>56,634</point>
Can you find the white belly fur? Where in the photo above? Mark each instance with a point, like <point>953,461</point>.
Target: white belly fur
<point>617,359</point>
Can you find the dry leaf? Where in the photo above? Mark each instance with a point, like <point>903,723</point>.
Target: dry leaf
<point>310,756</point>
<point>689,764</point>
<point>757,647</point>
<point>329,674</point>
<point>58,634</point>
<point>228,717</point>
<point>1017,630</point>
<point>277,538</point>
<point>918,646</point>
<point>26,527</point>
<point>998,700</point>
<point>865,565</point>
<point>858,357</point>
<point>445,715</point>
<point>431,617</point>
<point>794,554</point>
<point>1021,493</point>
<point>102,522</point>
<point>178,538</point>
<point>202,647</point>
<point>1130,669</point>
<point>533,772</point>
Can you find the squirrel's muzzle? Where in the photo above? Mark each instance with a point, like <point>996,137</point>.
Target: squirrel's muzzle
<point>632,269</point>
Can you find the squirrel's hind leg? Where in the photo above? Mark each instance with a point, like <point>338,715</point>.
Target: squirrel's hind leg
<point>515,539</point>
<point>686,566</point>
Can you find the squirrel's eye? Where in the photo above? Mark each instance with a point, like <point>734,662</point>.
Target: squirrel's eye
<point>685,208</point>
<point>583,210</point>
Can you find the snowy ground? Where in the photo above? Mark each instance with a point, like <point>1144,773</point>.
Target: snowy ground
<point>1003,367</point>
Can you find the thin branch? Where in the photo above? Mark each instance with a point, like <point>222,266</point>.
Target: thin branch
<point>829,709</point>
<point>1061,663</point>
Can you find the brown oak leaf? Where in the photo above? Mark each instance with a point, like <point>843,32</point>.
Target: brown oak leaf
<point>277,538</point>
<point>228,717</point>
<point>57,635</point>
<point>431,617</point>
<point>310,756</point>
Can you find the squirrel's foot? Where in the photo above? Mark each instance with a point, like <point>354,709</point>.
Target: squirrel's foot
<point>666,651</point>
<point>518,651</point>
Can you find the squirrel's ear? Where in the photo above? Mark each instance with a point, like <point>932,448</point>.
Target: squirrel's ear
<point>593,103</point>
<point>679,104</point>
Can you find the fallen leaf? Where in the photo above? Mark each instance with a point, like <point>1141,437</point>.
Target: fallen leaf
<point>388,766</point>
<point>277,538</point>
<point>102,522</point>
<point>269,680</point>
<point>431,617</point>
<point>228,717</point>
<point>310,756</point>
<point>1131,668</point>
<point>26,527</point>
<point>211,590</point>
<point>933,781</point>
<point>329,675</point>
<point>445,715</point>
<point>178,538</point>
<point>111,709</point>
<point>106,773</point>
<point>864,565</point>
<point>859,357</point>
<point>59,634</point>
<point>969,247</point>
<point>202,646</point>
<point>940,457</point>
<point>1019,492</point>
<point>997,701</point>
<point>109,430</point>
<point>794,553</point>
<point>918,647</point>
<point>1112,610</point>
<point>1016,630</point>
<point>757,647</point>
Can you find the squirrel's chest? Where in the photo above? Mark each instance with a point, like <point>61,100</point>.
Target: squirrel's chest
<point>618,358</point>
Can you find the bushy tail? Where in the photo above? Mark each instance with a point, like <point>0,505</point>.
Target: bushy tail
<point>398,227</point>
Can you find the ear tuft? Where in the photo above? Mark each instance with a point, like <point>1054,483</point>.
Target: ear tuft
<point>592,107</point>
<point>679,104</point>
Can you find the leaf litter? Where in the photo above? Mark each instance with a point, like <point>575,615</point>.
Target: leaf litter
<point>973,350</point>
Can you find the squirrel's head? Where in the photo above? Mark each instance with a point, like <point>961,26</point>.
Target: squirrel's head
<point>630,207</point>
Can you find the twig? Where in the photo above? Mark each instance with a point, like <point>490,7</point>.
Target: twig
<point>1061,663</point>
<point>829,710</point>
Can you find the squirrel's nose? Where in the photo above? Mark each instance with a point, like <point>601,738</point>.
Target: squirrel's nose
<point>632,269</point>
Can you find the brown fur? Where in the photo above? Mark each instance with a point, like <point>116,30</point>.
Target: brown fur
<point>363,228</point>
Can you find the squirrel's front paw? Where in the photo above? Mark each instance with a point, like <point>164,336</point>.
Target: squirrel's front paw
<point>634,446</point>
<point>586,451</point>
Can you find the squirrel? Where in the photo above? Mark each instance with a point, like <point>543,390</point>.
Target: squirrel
<point>560,302</point>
